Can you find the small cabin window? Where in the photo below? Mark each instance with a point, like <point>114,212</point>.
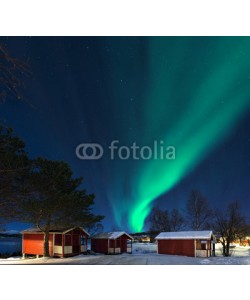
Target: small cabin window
<point>67,240</point>
<point>203,245</point>
<point>58,239</point>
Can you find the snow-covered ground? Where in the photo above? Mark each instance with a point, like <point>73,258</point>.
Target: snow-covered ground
<point>143,254</point>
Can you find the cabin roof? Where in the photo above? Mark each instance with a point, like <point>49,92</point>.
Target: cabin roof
<point>111,235</point>
<point>54,230</point>
<point>182,235</point>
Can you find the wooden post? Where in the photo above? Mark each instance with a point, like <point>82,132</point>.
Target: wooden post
<point>86,243</point>
<point>22,245</point>
<point>80,243</point>
<point>72,240</point>
<point>114,245</point>
<point>194,248</point>
<point>53,245</point>
<point>62,245</point>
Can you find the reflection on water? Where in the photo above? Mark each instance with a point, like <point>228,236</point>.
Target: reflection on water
<point>10,244</point>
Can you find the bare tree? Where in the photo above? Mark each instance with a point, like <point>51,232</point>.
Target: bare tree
<point>94,229</point>
<point>162,220</point>
<point>199,215</point>
<point>159,220</point>
<point>176,220</point>
<point>12,72</point>
<point>230,225</point>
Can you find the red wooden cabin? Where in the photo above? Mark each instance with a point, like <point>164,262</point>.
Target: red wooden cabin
<point>186,243</point>
<point>112,243</point>
<point>62,242</point>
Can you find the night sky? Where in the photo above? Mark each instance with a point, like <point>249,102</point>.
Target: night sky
<point>192,93</point>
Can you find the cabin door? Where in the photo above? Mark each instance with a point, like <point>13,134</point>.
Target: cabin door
<point>76,244</point>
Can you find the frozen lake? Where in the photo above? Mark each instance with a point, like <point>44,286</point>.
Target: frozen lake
<point>10,244</point>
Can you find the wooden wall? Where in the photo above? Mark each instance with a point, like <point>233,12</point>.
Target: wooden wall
<point>176,247</point>
<point>33,243</point>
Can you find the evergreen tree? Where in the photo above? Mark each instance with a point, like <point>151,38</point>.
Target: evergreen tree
<point>14,170</point>
<point>54,199</point>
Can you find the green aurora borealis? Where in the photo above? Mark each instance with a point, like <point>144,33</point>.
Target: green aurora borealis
<point>192,93</point>
<point>196,90</point>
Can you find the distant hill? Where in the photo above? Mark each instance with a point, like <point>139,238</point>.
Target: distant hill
<point>10,233</point>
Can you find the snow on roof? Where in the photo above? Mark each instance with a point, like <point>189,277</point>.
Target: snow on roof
<point>54,230</point>
<point>85,231</point>
<point>111,235</point>
<point>206,234</point>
